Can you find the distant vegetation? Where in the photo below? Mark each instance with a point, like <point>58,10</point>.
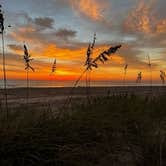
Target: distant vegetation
<point>118,130</point>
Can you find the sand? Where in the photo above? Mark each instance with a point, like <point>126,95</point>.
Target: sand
<point>57,96</point>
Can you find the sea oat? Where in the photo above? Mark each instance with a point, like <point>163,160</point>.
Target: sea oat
<point>139,77</point>
<point>4,59</point>
<point>27,60</point>
<point>162,76</point>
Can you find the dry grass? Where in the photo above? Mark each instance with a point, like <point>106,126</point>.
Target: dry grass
<point>117,130</point>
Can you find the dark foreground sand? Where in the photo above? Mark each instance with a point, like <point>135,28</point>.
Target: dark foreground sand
<point>57,96</point>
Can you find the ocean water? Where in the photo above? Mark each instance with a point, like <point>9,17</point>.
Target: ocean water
<point>54,83</point>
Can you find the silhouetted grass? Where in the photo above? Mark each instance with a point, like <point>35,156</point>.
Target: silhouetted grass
<point>118,130</point>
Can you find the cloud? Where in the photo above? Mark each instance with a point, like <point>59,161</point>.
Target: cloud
<point>161,27</point>
<point>145,23</point>
<point>90,8</point>
<point>141,19</point>
<point>31,30</point>
<point>15,47</point>
<point>39,23</point>
<point>39,31</point>
<point>65,34</point>
<point>21,18</point>
<point>45,22</point>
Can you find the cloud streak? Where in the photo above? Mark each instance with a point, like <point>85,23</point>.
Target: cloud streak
<point>92,9</point>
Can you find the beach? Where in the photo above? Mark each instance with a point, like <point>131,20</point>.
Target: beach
<point>57,96</point>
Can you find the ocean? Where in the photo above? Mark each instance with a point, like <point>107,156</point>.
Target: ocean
<point>55,83</point>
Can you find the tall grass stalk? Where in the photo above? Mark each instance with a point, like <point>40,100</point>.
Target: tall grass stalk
<point>53,71</point>
<point>124,76</point>
<point>27,80</point>
<point>162,76</point>
<point>87,63</point>
<point>4,61</point>
<point>27,60</point>
<point>102,57</point>
<point>150,72</point>
<point>139,78</point>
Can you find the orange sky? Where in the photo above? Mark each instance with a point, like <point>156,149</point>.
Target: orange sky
<point>71,68</point>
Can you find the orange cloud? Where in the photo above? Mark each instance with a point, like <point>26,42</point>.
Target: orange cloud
<point>117,59</point>
<point>161,26</point>
<point>51,50</point>
<point>141,19</point>
<point>90,8</point>
<point>27,29</point>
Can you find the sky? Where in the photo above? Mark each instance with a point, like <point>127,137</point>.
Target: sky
<point>63,29</point>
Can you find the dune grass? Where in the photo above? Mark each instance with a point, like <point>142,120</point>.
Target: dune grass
<point>117,130</point>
